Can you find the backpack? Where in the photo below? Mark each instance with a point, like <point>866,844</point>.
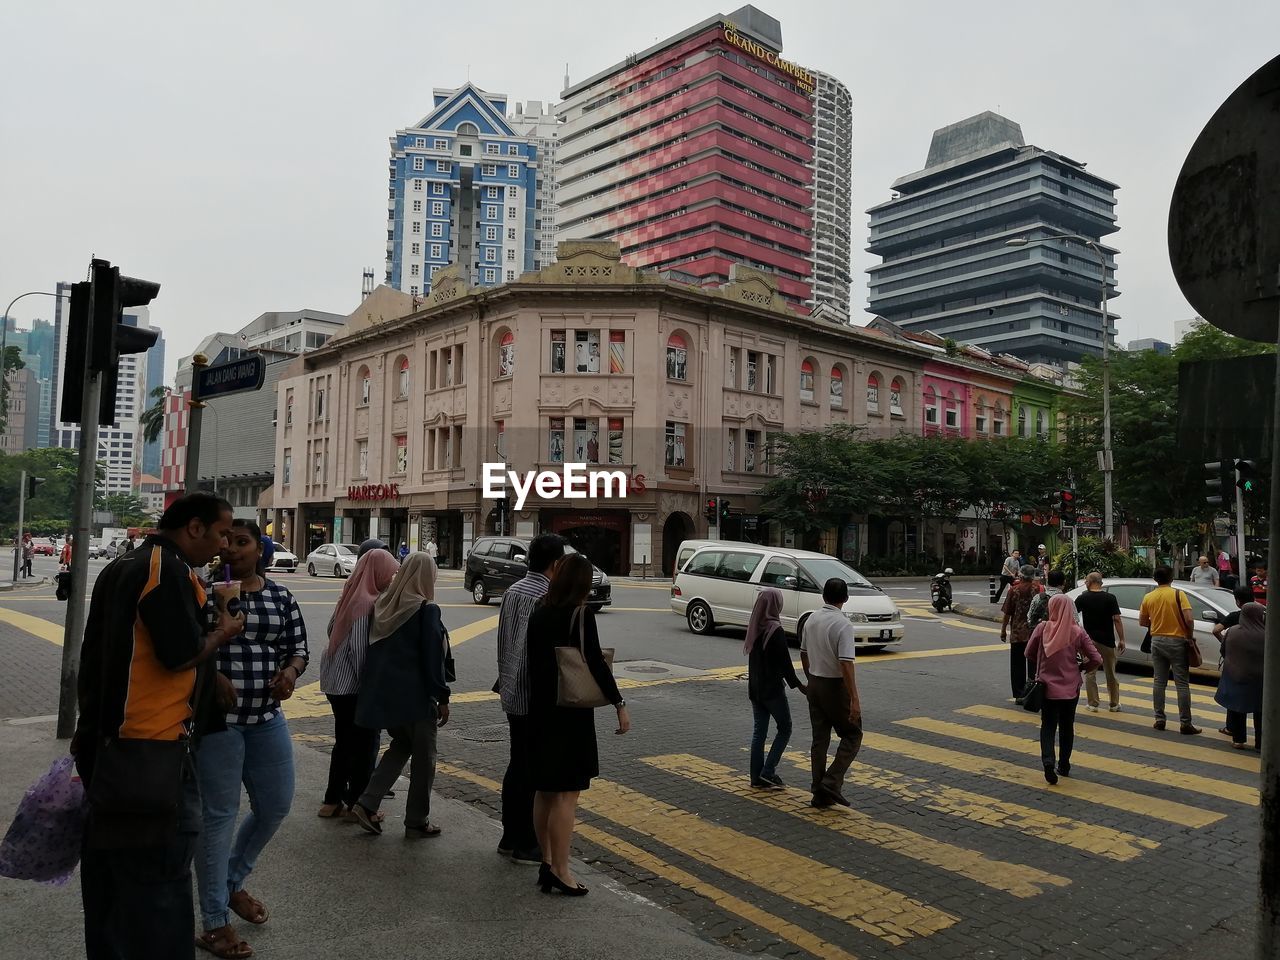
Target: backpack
<point>1038,612</point>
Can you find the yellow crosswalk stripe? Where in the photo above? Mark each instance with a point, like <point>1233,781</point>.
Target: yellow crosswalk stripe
<point>1012,878</point>
<point>642,858</point>
<point>1124,768</point>
<point>36,626</point>
<point>1171,696</point>
<point>1030,776</point>
<point>1184,748</point>
<point>979,808</point>
<point>1144,720</point>
<point>863,904</point>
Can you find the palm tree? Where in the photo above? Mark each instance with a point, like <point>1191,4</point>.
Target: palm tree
<point>152,418</point>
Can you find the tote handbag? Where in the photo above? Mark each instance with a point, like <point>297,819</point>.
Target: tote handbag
<point>575,686</point>
<point>1033,695</point>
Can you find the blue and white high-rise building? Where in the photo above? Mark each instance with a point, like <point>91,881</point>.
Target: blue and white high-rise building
<point>464,189</point>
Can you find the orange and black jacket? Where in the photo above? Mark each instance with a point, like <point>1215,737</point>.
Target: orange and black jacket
<point>146,619</point>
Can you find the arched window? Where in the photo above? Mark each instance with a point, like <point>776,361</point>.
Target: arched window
<point>997,421</point>
<point>953,411</point>
<point>837,387</point>
<point>806,380</point>
<point>366,385</point>
<point>895,396</point>
<point>930,406</point>
<point>677,358</point>
<point>873,393</point>
<point>1042,426</point>
<point>980,417</point>
<point>403,386</point>
<point>1022,421</point>
<point>468,130</point>
<point>507,354</point>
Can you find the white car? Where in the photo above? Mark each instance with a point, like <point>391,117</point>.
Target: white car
<point>719,583</point>
<point>282,561</point>
<point>338,559</point>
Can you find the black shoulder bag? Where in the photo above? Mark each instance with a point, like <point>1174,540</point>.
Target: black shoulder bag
<point>1033,695</point>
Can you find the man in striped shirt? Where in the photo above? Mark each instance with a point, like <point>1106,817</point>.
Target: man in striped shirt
<point>519,841</point>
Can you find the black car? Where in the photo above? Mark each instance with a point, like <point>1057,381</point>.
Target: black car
<point>495,563</point>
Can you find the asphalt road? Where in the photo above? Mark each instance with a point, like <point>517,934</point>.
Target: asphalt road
<point>955,846</point>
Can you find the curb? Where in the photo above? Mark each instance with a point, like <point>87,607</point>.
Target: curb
<point>24,585</point>
<point>977,613</point>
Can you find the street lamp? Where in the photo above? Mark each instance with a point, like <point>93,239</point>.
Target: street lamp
<point>1098,249</point>
<point>4,330</point>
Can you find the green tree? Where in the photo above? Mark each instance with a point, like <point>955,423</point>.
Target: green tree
<point>54,498</point>
<point>126,509</point>
<point>152,418</point>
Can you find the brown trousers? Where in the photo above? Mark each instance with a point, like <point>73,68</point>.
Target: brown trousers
<point>829,709</point>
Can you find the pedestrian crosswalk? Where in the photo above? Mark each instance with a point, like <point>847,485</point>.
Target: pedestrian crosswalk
<point>947,811</point>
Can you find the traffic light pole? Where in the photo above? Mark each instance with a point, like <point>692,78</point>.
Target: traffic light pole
<point>17,538</point>
<point>82,513</point>
<point>194,417</point>
<point>1240,541</point>
<point>1268,941</point>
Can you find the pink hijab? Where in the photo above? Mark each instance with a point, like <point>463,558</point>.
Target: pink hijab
<point>766,617</point>
<point>372,575</point>
<point>1060,628</point>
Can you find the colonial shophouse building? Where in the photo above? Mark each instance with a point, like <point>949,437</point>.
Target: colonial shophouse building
<point>386,429</point>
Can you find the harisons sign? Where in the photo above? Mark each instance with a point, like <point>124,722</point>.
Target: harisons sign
<point>802,76</point>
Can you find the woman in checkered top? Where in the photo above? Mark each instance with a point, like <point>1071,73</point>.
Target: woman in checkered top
<point>255,672</point>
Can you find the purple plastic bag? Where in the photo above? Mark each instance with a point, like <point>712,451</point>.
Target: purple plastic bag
<point>43,842</point>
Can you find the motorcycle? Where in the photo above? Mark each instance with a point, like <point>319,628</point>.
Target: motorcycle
<point>940,590</point>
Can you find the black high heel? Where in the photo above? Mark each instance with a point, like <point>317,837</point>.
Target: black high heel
<point>543,870</point>
<point>550,881</point>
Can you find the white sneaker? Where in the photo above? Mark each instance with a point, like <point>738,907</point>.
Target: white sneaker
<point>1092,708</point>
<point>1115,709</point>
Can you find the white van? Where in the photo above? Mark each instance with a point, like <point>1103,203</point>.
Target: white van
<point>687,549</point>
<point>718,584</point>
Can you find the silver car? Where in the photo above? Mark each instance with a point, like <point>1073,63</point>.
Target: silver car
<point>1209,605</point>
<point>338,559</point>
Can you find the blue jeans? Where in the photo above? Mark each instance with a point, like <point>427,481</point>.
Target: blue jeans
<point>261,756</point>
<point>781,713</point>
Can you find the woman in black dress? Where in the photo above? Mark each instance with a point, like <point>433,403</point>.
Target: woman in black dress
<point>564,758</point>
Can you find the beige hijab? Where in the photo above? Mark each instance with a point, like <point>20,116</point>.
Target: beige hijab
<point>414,585</point>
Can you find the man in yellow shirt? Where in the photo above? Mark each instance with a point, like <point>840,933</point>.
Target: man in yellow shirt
<point>1167,613</point>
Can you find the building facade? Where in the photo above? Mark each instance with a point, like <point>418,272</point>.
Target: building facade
<point>464,189</point>
<point>22,421</point>
<point>948,267</point>
<point>696,154</point>
<point>832,168</point>
<point>538,124</point>
<point>679,388</point>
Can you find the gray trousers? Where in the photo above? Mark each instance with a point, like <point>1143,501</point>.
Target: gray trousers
<point>828,709</point>
<point>417,744</point>
<point>1169,655</point>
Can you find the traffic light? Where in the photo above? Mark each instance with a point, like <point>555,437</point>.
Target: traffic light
<point>1213,484</point>
<point>500,510</point>
<point>1067,507</point>
<point>32,483</point>
<point>110,336</point>
<point>73,370</point>
<point>1247,475</point>
<point>724,509</point>
<point>712,511</point>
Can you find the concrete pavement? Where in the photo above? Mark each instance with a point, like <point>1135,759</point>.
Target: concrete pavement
<point>334,890</point>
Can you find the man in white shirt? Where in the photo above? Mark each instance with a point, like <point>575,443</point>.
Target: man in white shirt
<point>1205,573</point>
<point>1009,571</point>
<point>827,653</point>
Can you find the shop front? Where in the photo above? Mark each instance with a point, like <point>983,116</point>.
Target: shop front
<point>444,528</point>
<point>603,535</point>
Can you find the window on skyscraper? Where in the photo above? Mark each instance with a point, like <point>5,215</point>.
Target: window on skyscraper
<point>513,149</point>
<point>491,149</point>
<point>513,170</point>
<point>490,170</point>
<point>419,163</point>
<point>440,144</point>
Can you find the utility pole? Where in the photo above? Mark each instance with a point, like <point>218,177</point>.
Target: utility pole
<point>17,537</point>
<point>1239,530</point>
<point>196,408</point>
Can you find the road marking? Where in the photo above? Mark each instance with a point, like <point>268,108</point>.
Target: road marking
<point>306,703</point>
<point>1031,776</point>
<point>36,626</point>
<point>638,609</point>
<point>783,929</point>
<point>897,655</point>
<point>1184,748</point>
<point>979,808</point>
<point>1122,768</point>
<point>863,904</point>
<point>1171,696</point>
<point>471,630</point>
<point>1013,878</point>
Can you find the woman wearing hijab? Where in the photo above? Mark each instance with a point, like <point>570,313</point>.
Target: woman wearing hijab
<point>405,691</point>
<point>355,748</point>
<point>768,667</point>
<point>1055,651</point>
<point>563,758</point>
<point>1240,687</point>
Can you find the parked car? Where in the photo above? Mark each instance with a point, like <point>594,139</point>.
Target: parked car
<point>46,549</point>
<point>1209,605</point>
<point>282,561</point>
<point>718,585</point>
<point>336,558</point>
<point>98,551</point>
<point>495,563</point>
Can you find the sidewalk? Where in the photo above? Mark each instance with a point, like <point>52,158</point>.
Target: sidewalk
<point>27,584</point>
<point>334,890</point>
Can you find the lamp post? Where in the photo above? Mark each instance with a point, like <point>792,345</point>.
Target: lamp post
<point>4,327</point>
<point>1108,514</point>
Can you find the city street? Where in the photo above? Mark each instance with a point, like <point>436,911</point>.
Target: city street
<point>954,846</point>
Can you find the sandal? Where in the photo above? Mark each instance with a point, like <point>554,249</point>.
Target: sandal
<point>223,942</point>
<point>329,810</point>
<point>377,817</point>
<point>424,832</point>
<point>247,908</point>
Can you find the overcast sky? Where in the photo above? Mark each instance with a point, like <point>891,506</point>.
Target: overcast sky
<point>236,152</point>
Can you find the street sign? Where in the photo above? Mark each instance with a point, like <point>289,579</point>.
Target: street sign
<point>237,376</point>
